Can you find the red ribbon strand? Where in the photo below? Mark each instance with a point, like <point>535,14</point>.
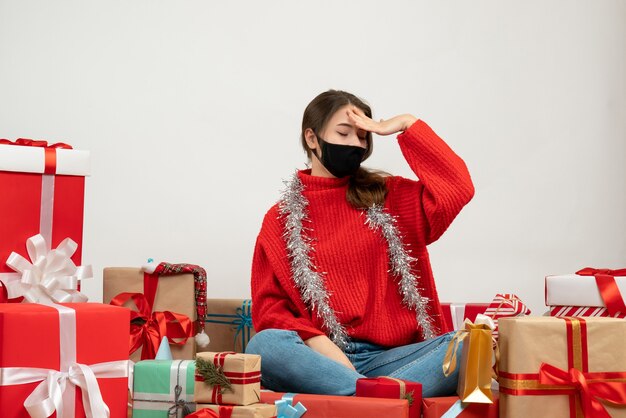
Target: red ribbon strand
<point>148,328</point>
<point>589,391</point>
<point>605,280</point>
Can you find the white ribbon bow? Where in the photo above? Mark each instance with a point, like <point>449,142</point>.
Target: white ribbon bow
<point>48,395</point>
<point>51,276</point>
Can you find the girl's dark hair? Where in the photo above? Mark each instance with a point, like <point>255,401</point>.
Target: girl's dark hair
<point>366,187</point>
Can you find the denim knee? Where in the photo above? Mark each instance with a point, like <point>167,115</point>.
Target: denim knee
<point>266,342</point>
<point>288,365</point>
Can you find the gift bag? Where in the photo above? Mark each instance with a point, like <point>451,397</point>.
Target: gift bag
<point>477,354</point>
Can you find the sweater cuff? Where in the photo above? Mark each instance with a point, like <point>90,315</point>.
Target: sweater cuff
<point>417,129</point>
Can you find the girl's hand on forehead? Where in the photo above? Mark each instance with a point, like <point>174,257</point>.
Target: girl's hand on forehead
<point>383,127</point>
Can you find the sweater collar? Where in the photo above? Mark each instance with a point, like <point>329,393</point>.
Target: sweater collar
<point>321,183</point>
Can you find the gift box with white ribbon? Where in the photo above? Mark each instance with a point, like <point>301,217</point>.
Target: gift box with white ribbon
<point>42,193</point>
<point>77,366</point>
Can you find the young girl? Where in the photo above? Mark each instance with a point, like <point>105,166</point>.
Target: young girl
<point>342,287</point>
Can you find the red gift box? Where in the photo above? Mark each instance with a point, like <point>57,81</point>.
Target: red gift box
<point>437,407</point>
<point>326,406</point>
<point>386,387</point>
<point>38,341</point>
<point>42,192</point>
<point>456,313</point>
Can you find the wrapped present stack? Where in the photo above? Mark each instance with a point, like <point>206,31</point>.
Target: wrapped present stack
<point>229,384</point>
<point>78,363</point>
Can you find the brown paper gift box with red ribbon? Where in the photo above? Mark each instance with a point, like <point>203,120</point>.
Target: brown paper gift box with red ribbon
<point>562,367</point>
<point>77,345</point>
<point>43,188</point>
<point>389,387</point>
<point>173,294</point>
<point>228,378</point>
<point>588,292</point>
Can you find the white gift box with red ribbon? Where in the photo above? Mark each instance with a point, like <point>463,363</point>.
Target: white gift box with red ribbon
<point>578,290</point>
<point>588,292</point>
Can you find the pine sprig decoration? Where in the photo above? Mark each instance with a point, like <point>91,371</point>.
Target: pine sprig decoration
<point>212,374</point>
<point>409,396</point>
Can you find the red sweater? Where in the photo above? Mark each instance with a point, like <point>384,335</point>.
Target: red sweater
<point>363,294</point>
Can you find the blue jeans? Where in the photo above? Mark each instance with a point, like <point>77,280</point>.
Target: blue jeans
<point>288,365</point>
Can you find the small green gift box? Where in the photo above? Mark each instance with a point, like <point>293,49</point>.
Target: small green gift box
<point>163,388</point>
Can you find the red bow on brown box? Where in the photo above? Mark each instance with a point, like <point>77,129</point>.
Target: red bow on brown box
<point>148,328</point>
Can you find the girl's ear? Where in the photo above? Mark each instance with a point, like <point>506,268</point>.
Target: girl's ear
<point>311,138</point>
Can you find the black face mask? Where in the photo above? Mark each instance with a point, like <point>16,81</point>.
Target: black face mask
<point>340,160</point>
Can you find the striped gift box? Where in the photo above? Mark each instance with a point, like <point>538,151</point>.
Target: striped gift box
<point>155,388</point>
<point>505,305</point>
<point>584,311</point>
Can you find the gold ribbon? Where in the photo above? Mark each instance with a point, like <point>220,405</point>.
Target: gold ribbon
<point>399,382</point>
<point>449,361</point>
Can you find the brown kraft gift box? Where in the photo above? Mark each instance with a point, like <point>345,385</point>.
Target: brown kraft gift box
<point>174,293</point>
<point>224,324</point>
<point>242,372</point>
<point>557,367</point>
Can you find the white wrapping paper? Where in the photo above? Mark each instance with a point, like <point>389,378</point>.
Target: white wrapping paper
<point>575,290</point>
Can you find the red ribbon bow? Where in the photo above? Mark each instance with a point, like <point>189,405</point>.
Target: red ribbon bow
<point>605,279</point>
<point>34,143</point>
<point>154,325</point>
<point>589,386</point>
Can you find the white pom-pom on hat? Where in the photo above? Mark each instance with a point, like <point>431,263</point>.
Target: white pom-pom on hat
<point>202,339</point>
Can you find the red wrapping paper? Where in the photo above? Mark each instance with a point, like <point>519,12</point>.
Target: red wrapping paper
<point>436,407</point>
<point>29,337</point>
<point>384,387</point>
<point>20,211</point>
<point>327,406</point>
<point>471,310</point>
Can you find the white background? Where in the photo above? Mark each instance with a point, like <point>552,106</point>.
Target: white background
<point>191,110</point>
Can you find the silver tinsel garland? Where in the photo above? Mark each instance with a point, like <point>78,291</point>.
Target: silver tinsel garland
<point>401,261</point>
<point>309,281</point>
